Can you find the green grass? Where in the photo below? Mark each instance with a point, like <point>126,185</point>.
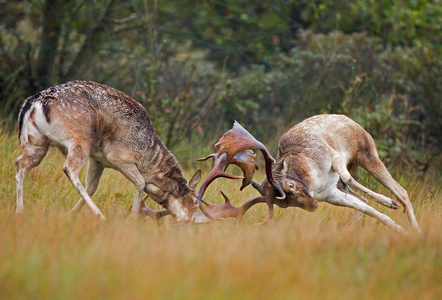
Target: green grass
<point>47,254</point>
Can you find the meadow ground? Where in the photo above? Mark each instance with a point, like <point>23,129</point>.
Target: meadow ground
<point>47,254</point>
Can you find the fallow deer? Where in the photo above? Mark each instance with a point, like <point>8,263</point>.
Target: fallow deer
<point>87,120</point>
<point>318,160</point>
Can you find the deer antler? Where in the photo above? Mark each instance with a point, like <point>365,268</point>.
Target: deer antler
<point>217,171</point>
<point>227,210</point>
<point>235,147</point>
<point>154,214</point>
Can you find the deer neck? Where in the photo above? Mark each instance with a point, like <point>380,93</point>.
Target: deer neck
<point>163,175</point>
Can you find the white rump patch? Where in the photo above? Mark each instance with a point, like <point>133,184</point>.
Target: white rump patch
<point>41,128</point>
<point>28,127</point>
<point>54,130</point>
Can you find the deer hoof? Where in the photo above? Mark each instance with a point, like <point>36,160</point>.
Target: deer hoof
<point>394,204</point>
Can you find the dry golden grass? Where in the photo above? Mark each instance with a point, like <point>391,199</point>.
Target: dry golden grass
<point>47,254</point>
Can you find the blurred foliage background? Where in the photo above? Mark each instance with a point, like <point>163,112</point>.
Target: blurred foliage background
<point>198,65</point>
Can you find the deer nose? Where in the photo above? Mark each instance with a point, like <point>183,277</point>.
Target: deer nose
<point>313,205</point>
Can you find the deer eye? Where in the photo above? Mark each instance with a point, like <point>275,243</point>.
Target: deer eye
<point>195,202</point>
<point>291,185</point>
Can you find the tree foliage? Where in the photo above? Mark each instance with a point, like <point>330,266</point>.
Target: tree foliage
<point>198,65</point>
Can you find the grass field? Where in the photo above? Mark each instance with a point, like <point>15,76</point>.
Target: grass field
<point>47,254</point>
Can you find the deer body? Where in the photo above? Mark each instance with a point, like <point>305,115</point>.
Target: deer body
<point>318,160</point>
<point>89,120</point>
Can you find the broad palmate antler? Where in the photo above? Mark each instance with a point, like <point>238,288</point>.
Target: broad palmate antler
<point>235,147</point>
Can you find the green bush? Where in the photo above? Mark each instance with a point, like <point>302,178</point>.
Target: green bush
<point>268,65</point>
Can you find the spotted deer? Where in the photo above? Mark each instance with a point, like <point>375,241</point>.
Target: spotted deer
<point>318,160</point>
<point>86,120</point>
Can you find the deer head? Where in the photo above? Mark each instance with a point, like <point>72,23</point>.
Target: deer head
<point>184,203</point>
<point>294,186</point>
<point>182,207</point>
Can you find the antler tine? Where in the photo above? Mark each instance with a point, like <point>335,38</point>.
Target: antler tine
<point>241,210</point>
<point>245,160</point>
<point>217,171</point>
<point>227,210</point>
<point>269,160</point>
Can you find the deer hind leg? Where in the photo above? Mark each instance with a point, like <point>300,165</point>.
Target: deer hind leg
<point>31,157</point>
<point>93,175</point>
<point>76,158</point>
<point>339,198</point>
<point>340,167</point>
<point>378,170</point>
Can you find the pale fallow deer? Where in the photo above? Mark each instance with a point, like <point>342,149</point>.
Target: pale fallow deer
<point>87,120</point>
<point>318,160</point>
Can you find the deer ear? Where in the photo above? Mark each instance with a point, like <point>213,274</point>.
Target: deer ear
<point>195,179</point>
<point>285,165</point>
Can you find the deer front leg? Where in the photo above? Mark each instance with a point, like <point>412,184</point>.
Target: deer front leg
<point>347,189</point>
<point>339,198</point>
<point>340,168</point>
<point>133,174</point>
